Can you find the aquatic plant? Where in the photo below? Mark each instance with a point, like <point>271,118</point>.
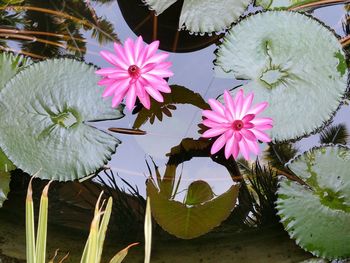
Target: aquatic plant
<point>54,134</point>
<point>236,124</point>
<point>204,16</point>
<point>316,211</point>
<point>303,86</point>
<point>36,244</point>
<point>137,72</point>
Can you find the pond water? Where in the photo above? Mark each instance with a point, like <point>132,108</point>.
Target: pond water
<point>193,70</point>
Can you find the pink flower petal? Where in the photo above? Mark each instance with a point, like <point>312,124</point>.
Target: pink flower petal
<point>138,49</point>
<point>146,102</point>
<point>262,121</point>
<point>106,71</point>
<point>112,59</point>
<point>211,124</point>
<point>164,73</point>
<point>153,80</point>
<point>154,93</point>
<point>129,51</point>
<point>247,134</point>
<point>247,103</point>
<point>261,135</point>
<point>119,75</point>
<point>213,132</point>
<point>253,146</point>
<point>247,118</point>
<point>238,136</point>
<point>164,88</point>
<point>229,147</point>
<point>123,60</point>
<point>117,99</point>
<point>218,144</point>
<point>131,97</point>
<point>110,89</point>
<point>258,108</point>
<point>243,146</point>
<point>217,107</point>
<point>238,104</point>
<point>212,115</point>
<point>105,81</point>
<point>229,103</point>
<point>157,58</point>
<point>235,149</point>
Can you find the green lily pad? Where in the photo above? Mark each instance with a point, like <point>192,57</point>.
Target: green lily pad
<point>188,222</point>
<point>44,112</point>
<point>317,215</point>
<point>5,164</point>
<point>301,72</point>
<point>4,186</point>
<point>198,192</point>
<point>271,4</point>
<point>204,16</point>
<point>10,64</point>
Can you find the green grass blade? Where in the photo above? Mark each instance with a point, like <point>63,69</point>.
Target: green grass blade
<point>119,257</point>
<point>30,231</point>
<point>92,243</point>
<point>42,226</point>
<point>148,232</point>
<point>103,228</point>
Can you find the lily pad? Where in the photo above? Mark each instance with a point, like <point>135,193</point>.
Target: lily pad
<point>301,72</point>
<point>317,214</point>
<point>10,64</point>
<point>4,186</point>
<point>271,4</point>
<point>188,222</point>
<point>44,112</point>
<point>204,16</point>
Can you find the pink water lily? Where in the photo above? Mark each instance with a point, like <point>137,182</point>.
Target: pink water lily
<point>236,125</point>
<point>137,71</point>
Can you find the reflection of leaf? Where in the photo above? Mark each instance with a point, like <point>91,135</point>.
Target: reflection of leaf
<point>204,15</point>
<point>337,134</point>
<point>198,192</point>
<point>318,216</point>
<point>178,95</point>
<point>303,86</point>
<point>4,186</point>
<point>190,222</point>
<point>45,107</point>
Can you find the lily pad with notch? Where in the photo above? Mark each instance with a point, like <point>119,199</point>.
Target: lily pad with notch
<point>301,72</point>
<point>317,214</point>
<point>44,112</point>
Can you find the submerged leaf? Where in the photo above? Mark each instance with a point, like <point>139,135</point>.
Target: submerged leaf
<point>198,192</point>
<point>190,222</point>
<point>204,16</point>
<point>295,70</point>
<point>317,216</point>
<point>46,108</point>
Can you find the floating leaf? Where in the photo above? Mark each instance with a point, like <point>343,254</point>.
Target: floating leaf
<point>190,222</point>
<point>4,186</point>
<point>271,4</point>
<point>317,214</point>
<point>5,164</point>
<point>204,16</point>
<point>10,64</point>
<point>299,71</point>
<point>44,111</point>
<point>178,95</point>
<point>198,192</point>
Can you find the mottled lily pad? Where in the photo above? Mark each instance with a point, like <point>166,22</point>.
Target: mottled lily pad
<point>301,71</point>
<point>204,16</point>
<point>44,112</point>
<point>271,4</point>
<point>317,214</point>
